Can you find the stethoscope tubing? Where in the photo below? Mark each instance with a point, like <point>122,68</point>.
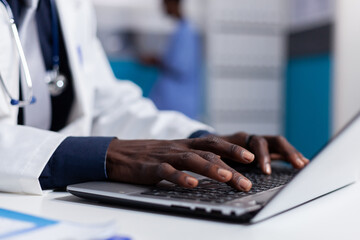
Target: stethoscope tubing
<point>55,35</point>
<point>53,74</point>
<point>31,99</point>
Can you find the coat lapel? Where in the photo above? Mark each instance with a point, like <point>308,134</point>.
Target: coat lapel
<point>74,29</point>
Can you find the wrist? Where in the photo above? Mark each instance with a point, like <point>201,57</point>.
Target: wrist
<point>110,156</point>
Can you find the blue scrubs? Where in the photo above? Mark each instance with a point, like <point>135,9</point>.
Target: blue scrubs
<point>178,86</point>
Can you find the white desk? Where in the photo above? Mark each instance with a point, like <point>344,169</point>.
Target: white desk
<point>335,216</point>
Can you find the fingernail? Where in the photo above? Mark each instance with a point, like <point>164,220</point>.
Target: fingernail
<point>299,162</point>
<point>192,182</point>
<point>245,184</point>
<point>268,169</point>
<point>248,156</point>
<point>225,174</point>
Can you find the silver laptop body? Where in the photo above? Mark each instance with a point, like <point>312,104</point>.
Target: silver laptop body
<point>335,166</point>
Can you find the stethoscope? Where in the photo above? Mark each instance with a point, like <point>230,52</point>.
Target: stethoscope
<point>56,81</point>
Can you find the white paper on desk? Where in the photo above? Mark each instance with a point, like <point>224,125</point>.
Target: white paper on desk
<point>19,226</point>
<point>11,226</point>
<point>66,230</point>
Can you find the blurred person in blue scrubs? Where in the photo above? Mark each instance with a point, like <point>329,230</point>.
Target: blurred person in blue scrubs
<point>178,85</point>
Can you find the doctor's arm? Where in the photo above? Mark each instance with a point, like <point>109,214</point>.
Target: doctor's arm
<point>80,159</point>
<point>76,160</point>
<point>120,110</point>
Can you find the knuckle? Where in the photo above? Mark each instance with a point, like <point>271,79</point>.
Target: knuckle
<point>291,154</point>
<point>240,135</point>
<point>258,140</point>
<point>176,176</point>
<point>163,170</point>
<point>210,157</point>
<point>294,154</point>
<point>172,148</point>
<point>263,163</point>
<point>254,140</point>
<point>235,149</point>
<point>212,140</point>
<point>208,167</point>
<point>192,142</point>
<point>188,156</point>
<point>237,177</point>
<point>280,139</point>
<point>262,141</point>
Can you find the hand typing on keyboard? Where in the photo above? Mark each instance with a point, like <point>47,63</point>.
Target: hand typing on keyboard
<point>150,161</point>
<point>267,148</point>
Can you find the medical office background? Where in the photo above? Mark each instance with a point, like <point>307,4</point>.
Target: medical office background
<point>289,67</point>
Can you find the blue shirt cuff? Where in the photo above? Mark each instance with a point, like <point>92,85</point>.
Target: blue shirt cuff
<point>77,159</point>
<point>199,134</point>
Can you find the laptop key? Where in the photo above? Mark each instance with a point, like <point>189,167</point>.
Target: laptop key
<point>209,190</point>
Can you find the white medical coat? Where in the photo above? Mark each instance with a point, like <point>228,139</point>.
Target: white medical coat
<point>103,106</point>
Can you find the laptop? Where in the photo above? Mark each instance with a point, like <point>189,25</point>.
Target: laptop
<point>334,167</point>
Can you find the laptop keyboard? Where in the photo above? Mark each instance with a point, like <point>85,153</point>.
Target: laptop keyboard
<point>210,190</point>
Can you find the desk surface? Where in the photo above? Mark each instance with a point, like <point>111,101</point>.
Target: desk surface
<point>334,216</point>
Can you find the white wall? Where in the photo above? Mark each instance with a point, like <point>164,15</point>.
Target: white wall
<point>347,62</point>
<point>304,14</point>
<point>143,15</point>
<point>245,62</point>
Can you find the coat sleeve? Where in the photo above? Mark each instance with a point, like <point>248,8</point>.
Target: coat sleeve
<point>24,152</point>
<point>120,109</point>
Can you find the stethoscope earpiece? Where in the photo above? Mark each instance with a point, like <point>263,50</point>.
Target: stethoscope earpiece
<point>33,100</point>
<point>14,102</point>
